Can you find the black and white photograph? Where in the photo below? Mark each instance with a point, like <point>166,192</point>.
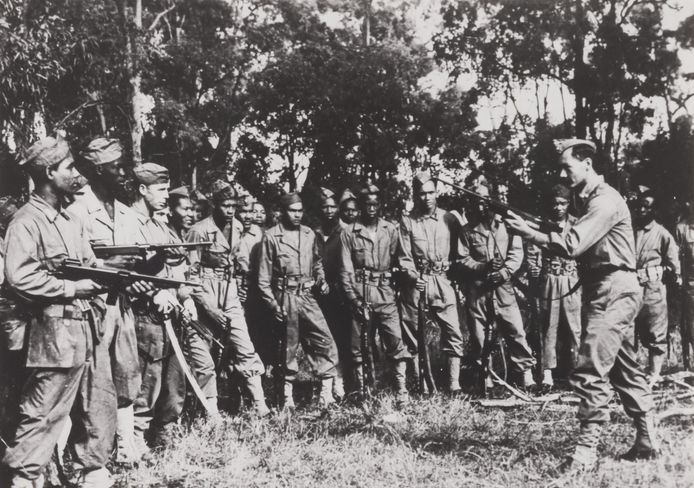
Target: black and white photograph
<point>346,243</point>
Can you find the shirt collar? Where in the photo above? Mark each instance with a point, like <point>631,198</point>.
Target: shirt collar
<point>591,184</point>
<point>46,209</point>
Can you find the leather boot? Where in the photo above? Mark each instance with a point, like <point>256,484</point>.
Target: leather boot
<point>95,478</point>
<point>19,482</point>
<point>255,389</point>
<point>126,448</point>
<point>655,365</point>
<point>338,386</point>
<point>646,444</point>
<point>585,453</point>
<point>288,401</point>
<point>326,392</point>
<point>453,374</point>
<point>358,373</point>
<point>400,375</point>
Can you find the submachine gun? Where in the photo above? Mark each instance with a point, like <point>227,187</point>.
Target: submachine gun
<point>102,251</point>
<point>542,225</point>
<point>114,279</point>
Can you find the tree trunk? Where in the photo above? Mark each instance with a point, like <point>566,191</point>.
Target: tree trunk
<point>579,72</point>
<point>135,86</point>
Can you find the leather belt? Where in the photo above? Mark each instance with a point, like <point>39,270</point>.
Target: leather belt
<point>650,274</point>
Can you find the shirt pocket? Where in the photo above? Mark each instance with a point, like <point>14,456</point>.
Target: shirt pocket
<point>54,251</point>
<point>359,257</point>
<point>478,248</point>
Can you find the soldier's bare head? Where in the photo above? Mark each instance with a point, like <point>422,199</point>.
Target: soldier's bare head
<point>247,215</point>
<point>181,209</point>
<point>259,214</point>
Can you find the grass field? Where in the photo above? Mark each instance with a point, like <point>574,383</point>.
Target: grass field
<point>437,442</point>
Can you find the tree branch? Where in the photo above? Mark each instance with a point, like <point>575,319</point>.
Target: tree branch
<point>160,15</point>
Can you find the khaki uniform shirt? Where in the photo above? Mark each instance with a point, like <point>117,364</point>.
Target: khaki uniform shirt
<point>38,240</point>
<point>602,237</point>
<point>479,245</point>
<point>296,251</point>
<point>655,247</point>
<point>361,248</point>
<point>432,239</point>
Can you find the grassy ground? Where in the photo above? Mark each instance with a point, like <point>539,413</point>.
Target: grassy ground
<point>432,442</point>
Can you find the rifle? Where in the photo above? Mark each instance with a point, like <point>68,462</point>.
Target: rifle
<point>685,315</point>
<point>503,209</point>
<point>200,329</point>
<point>282,327</point>
<point>114,279</point>
<point>368,367</point>
<point>104,251</point>
<point>425,374</point>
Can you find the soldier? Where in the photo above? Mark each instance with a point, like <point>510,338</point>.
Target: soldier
<point>259,215</point>
<point>559,295</point>
<point>290,270</point>
<point>64,372</point>
<point>348,207</point>
<point>489,256</point>
<point>656,259</point>
<point>369,251</point>
<point>201,205</point>
<point>218,302</point>
<point>685,239</point>
<point>108,221</point>
<point>428,246</point>
<point>335,310</point>
<point>182,211</point>
<point>602,240</point>
<point>159,402</point>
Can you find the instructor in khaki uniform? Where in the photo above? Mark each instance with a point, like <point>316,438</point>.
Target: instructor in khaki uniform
<point>66,371</point>
<point>602,240</point>
<point>369,250</point>
<point>291,269</point>
<point>428,246</point>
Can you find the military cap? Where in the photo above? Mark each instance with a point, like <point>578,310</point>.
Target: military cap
<point>562,145</point>
<point>560,191</point>
<point>369,189</point>
<point>346,196</point>
<point>103,151</point>
<point>150,174</point>
<point>47,152</point>
<point>326,194</point>
<point>222,190</point>
<point>198,196</point>
<point>421,178</point>
<point>181,191</point>
<point>289,199</point>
